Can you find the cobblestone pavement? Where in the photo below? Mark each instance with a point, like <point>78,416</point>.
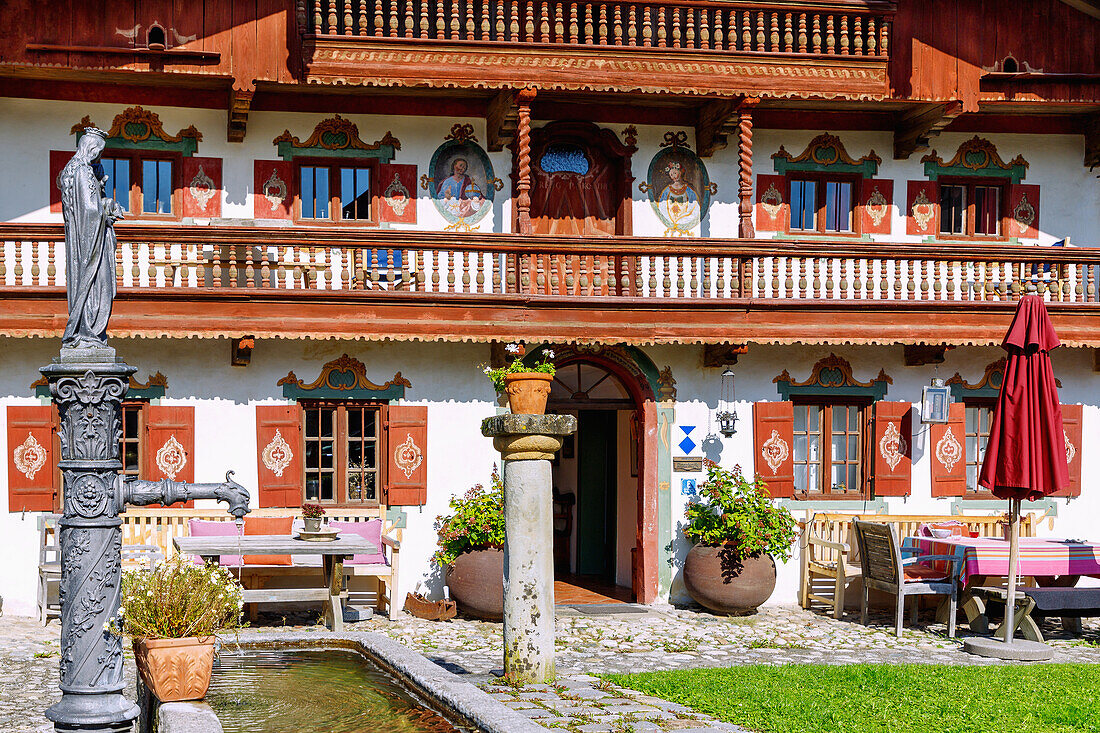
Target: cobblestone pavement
<point>660,638</point>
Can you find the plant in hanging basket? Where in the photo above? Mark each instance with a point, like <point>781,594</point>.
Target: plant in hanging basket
<point>738,532</point>
<point>171,614</point>
<point>526,384</point>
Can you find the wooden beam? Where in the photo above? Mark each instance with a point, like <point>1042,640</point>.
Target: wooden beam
<point>921,355</point>
<point>716,356</point>
<point>501,120</point>
<point>716,120</point>
<point>240,101</point>
<point>923,121</point>
<point>1092,141</point>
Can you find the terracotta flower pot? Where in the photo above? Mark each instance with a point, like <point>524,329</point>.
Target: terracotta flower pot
<point>176,670</point>
<point>476,580</point>
<point>716,577</point>
<point>527,392</point>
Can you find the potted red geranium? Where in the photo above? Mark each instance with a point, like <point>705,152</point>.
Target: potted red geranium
<point>311,517</point>
<point>527,385</point>
<point>470,542</point>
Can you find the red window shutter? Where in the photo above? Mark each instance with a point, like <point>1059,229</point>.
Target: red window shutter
<point>876,206</point>
<point>948,447</point>
<point>58,159</point>
<point>169,447</point>
<point>32,463</point>
<point>274,189</point>
<point>922,210</point>
<point>1022,212</point>
<point>279,455</point>
<point>1071,425</point>
<point>773,211</point>
<point>397,193</point>
<point>773,436</point>
<point>407,457</point>
<point>893,449</point>
<point>202,187</point>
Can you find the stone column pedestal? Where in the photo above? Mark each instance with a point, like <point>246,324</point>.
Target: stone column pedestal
<point>526,444</point>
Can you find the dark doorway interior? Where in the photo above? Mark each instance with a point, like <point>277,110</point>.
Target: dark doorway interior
<point>596,493</point>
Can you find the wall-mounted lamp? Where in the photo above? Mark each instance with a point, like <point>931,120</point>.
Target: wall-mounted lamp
<point>727,405</point>
<point>935,403</point>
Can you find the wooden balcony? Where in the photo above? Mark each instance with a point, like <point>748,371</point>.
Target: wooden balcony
<point>325,283</point>
<point>686,47</point>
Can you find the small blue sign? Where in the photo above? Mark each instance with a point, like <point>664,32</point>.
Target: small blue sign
<point>687,445</point>
<point>687,487</point>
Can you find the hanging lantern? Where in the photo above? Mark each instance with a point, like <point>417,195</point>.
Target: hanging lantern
<point>935,402</point>
<point>727,407</point>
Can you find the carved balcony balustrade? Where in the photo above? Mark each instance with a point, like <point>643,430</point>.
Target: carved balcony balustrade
<point>229,258</point>
<point>769,48</point>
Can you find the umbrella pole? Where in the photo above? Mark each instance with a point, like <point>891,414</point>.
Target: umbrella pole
<point>1013,563</point>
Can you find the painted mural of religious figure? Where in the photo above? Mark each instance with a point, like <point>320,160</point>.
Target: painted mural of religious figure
<point>678,201</point>
<point>90,244</point>
<point>460,195</point>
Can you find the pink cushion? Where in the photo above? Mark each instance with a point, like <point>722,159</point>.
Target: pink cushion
<point>210,528</point>
<point>371,531</point>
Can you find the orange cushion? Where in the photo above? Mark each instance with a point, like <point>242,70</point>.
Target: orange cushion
<point>268,525</point>
<point>913,573</point>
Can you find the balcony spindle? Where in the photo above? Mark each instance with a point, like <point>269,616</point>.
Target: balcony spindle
<point>662,28</point>
<point>348,25</point>
<point>844,44</point>
<point>471,28</point>
<point>788,33</point>
<point>618,25</point>
<point>513,21</point>
<point>647,26</point>
<point>857,36</point>
<point>332,24</point>
<point>677,35</point>
<point>318,27</point>
<point>817,33</point>
<point>456,19</point>
<point>574,26</point>
<point>704,29</point>
<point>410,19</point>
<point>884,39</point>
<point>774,37</point>
<point>830,39</point>
<point>761,35</point>
<point>544,23</point>
<point>746,31</point>
<point>802,33</point>
<point>559,26</point>
<point>872,38</point>
<point>719,37</point>
<point>588,25</point>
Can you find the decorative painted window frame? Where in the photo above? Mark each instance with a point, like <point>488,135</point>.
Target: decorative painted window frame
<point>975,158</point>
<point>336,137</point>
<point>986,388</point>
<point>136,128</point>
<point>832,377</point>
<point>817,158</point>
<point>333,383</point>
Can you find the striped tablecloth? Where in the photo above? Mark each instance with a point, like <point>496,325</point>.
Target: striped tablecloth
<point>1038,556</point>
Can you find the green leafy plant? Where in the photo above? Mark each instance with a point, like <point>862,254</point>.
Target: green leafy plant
<point>177,599</point>
<point>476,524</point>
<point>517,366</point>
<point>313,511</point>
<point>735,511</point>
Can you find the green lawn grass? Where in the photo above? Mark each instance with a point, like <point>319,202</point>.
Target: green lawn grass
<point>865,698</point>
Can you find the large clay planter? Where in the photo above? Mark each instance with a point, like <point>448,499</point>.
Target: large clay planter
<point>717,578</point>
<point>476,581</point>
<point>176,670</point>
<point>527,392</point>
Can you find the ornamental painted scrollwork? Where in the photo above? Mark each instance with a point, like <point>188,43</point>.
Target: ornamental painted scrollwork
<point>826,153</point>
<point>948,450</point>
<point>775,452</point>
<point>171,457</point>
<point>335,134</point>
<point>408,456</point>
<point>877,206</point>
<point>678,186</point>
<point>201,188</point>
<point>772,201</point>
<point>923,210</point>
<point>397,196</point>
<point>1071,451</point>
<point>274,190</point>
<point>832,371</point>
<point>1023,216</point>
<point>29,457</point>
<point>975,155</point>
<point>343,377</point>
<point>892,447</point>
<point>137,126</point>
<point>277,454</point>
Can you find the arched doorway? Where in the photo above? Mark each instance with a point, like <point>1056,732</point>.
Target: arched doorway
<point>603,511</point>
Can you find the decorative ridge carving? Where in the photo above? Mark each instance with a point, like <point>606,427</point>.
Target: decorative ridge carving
<point>344,364</point>
<point>825,141</point>
<point>337,133</point>
<point>980,146</point>
<point>137,125</point>
<point>837,373</point>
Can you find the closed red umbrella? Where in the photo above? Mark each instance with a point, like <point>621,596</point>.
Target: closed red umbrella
<point>1026,455</point>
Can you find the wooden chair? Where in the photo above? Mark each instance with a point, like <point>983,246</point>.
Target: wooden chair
<point>49,567</point>
<point>828,560</point>
<point>148,555</point>
<point>884,569</point>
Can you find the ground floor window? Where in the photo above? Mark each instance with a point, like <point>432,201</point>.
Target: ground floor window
<point>828,449</point>
<point>341,452</point>
<point>979,416</point>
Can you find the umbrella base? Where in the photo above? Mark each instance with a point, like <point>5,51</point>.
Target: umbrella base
<point>1020,650</point>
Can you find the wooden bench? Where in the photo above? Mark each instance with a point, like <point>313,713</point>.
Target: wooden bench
<point>159,527</point>
<point>827,563</point>
<point>1033,605</point>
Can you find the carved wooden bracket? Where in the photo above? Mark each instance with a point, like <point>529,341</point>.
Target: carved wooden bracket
<point>1092,142</point>
<point>716,121</point>
<point>240,100</point>
<point>716,356</point>
<point>921,355</point>
<point>921,122</point>
<point>501,120</point>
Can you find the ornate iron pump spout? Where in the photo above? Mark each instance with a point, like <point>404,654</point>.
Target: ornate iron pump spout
<point>140,492</point>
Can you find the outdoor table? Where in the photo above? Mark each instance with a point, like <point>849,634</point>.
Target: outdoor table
<point>334,553</point>
<point>1048,560</point>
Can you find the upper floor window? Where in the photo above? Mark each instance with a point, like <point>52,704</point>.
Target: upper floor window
<point>335,193</point>
<point>828,439</point>
<point>141,182</point>
<point>821,205</point>
<point>341,452</point>
<point>970,209</point>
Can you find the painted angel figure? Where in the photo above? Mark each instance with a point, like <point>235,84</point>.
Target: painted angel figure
<point>678,201</point>
<point>90,243</point>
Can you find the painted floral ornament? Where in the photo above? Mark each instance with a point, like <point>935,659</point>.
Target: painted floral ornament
<point>274,190</point>
<point>29,457</point>
<point>201,189</point>
<point>948,450</point>
<point>408,456</point>
<point>775,451</point>
<point>171,458</point>
<point>277,454</point>
<point>877,206</point>
<point>892,446</point>
<point>772,201</point>
<point>923,211</point>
